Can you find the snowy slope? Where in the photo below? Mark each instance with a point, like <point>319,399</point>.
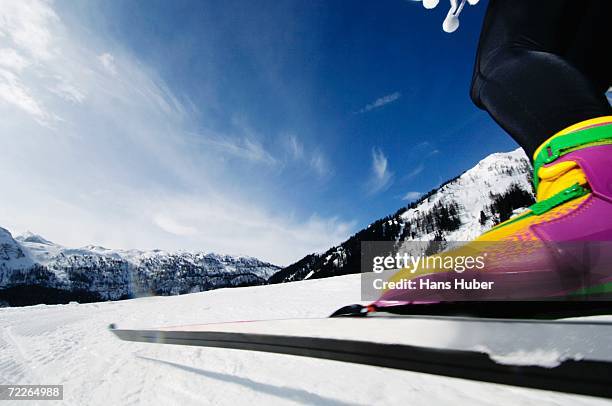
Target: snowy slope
<point>16,263</point>
<point>472,193</point>
<point>69,345</point>
<point>12,255</point>
<point>35,270</point>
<point>459,210</point>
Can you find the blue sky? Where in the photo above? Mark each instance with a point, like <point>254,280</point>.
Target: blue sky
<point>266,128</point>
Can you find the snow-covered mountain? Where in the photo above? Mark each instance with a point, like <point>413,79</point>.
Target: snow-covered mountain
<point>459,210</point>
<point>12,255</point>
<point>35,270</point>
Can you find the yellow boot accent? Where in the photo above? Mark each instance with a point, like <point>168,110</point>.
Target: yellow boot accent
<point>555,178</point>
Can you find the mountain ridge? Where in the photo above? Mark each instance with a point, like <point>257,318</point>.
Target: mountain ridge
<point>459,209</point>
<point>35,270</point>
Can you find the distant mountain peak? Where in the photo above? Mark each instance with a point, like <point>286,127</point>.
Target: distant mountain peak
<point>30,237</point>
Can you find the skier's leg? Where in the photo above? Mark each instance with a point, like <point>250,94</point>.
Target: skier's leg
<point>542,69</point>
<point>543,66</point>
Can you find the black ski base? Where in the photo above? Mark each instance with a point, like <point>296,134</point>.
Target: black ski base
<point>539,310</point>
<point>585,377</point>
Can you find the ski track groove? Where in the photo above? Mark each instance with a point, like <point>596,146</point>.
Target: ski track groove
<point>30,373</point>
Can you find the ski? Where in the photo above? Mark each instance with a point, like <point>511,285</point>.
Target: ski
<point>564,356</point>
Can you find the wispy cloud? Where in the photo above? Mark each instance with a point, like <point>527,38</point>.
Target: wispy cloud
<point>10,58</point>
<point>172,226</point>
<point>314,159</point>
<point>426,149</point>
<point>414,172</point>
<point>232,220</point>
<point>27,25</point>
<point>68,92</point>
<point>320,164</point>
<point>108,62</point>
<point>296,148</point>
<point>14,92</point>
<point>418,157</point>
<point>410,196</point>
<point>242,147</point>
<point>380,102</point>
<point>97,149</point>
<point>381,177</point>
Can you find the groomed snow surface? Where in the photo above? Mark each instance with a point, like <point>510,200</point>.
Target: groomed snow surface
<point>70,345</point>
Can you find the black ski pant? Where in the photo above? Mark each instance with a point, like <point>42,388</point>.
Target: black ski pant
<point>543,65</point>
